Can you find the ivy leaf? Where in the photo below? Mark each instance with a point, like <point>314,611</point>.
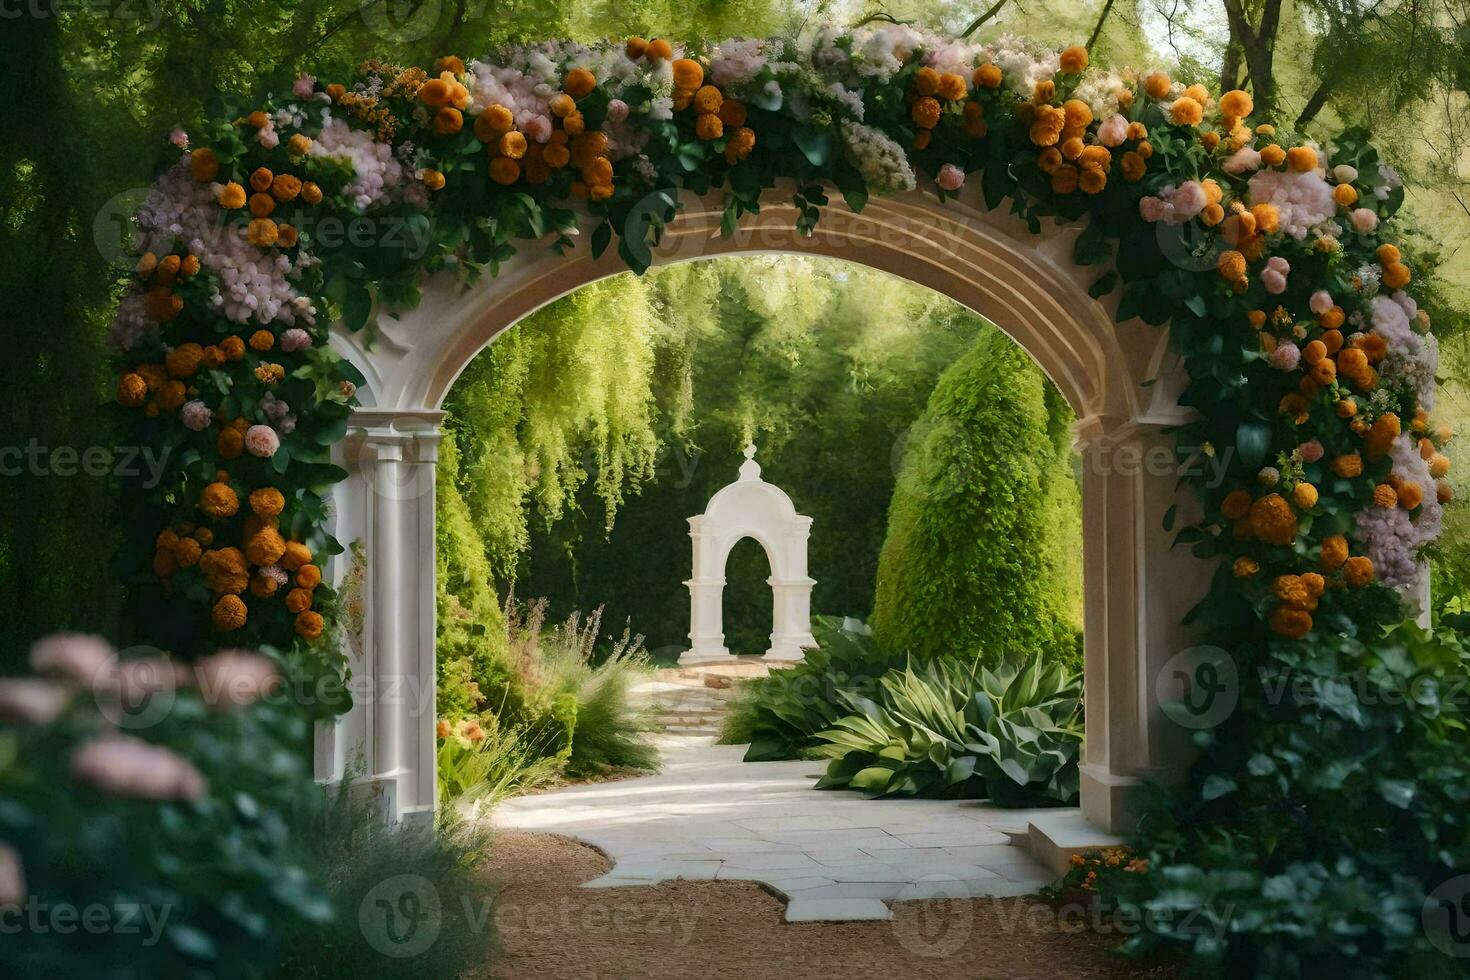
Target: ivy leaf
<point>357,305</point>
<point>601,238</point>
<point>816,146</point>
<point>854,189</point>
<point>1397,792</point>
<point>1216,787</point>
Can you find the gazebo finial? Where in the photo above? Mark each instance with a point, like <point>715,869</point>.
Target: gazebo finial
<point>750,469</point>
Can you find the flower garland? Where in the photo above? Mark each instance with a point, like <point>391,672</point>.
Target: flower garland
<point>1272,258</point>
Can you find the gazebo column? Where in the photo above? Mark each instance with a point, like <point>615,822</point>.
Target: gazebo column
<point>706,596</point>
<point>1138,589</point>
<point>385,744</point>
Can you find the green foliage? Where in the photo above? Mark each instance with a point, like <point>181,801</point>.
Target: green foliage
<point>438,866</point>
<point>213,883</point>
<point>487,761</point>
<point>1321,814</point>
<point>944,728</point>
<point>782,715</point>
<point>979,559</point>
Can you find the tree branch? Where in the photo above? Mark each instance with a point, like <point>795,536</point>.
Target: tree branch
<point>975,25</point>
<point>1315,103</point>
<point>1102,19</point>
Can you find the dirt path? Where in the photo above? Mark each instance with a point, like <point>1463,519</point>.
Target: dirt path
<point>553,930</point>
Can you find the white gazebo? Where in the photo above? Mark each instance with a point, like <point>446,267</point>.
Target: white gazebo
<point>750,508</point>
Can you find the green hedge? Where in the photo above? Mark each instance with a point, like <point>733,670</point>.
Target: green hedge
<point>980,557</point>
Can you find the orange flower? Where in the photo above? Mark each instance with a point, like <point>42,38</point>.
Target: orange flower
<point>1074,59</point>
<point>512,145</point>
<point>708,99</point>
<point>1396,275</point>
<point>659,50</point>
<point>261,179</point>
<point>1291,623</point>
<point>231,196</point>
<point>262,232</point>
<point>709,127</point>
<point>295,556</point>
<point>229,613</point>
<point>1245,567</point>
<point>1157,85</point>
<point>578,83</point>
<point>1064,181</point>
<point>635,47</point>
<point>203,165</point>
<point>1186,111</point>
<point>298,145</point>
<point>1236,103</point>
<point>311,193</point>
<point>1348,465</point>
<point>926,82</point>
<point>1273,520</point>
<point>1301,158</point>
<point>925,112</point>
<point>741,142</point>
<point>265,547</point>
<point>987,76</point>
<point>1272,155</point>
<point>309,625</point>
<point>688,74</point>
<point>1358,570</point>
<point>132,391</point>
<point>435,93</point>
<point>448,121</point>
<point>732,114</point>
<point>953,87</point>
<point>504,170</point>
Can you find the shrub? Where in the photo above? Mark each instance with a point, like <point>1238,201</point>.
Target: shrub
<point>783,714</point>
<point>388,884</point>
<point>1013,734</point>
<point>488,762</point>
<point>979,559</point>
<point>169,807</point>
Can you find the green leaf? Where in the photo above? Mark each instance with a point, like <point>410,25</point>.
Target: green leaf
<point>815,145</point>
<point>1253,441</point>
<point>357,305</point>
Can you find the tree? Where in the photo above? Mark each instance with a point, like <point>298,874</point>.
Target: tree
<point>975,561</point>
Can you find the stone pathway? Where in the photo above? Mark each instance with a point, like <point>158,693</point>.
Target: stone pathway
<point>833,856</point>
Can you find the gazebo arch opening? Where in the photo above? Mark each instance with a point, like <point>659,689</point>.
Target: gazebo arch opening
<point>1120,380</point>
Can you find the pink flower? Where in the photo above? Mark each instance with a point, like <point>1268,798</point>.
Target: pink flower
<point>617,110</point>
<point>268,137</point>
<point>1242,161</point>
<point>303,86</point>
<point>179,138</point>
<point>1285,357</point>
<point>1364,220</point>
<point>950,177</point>
<point>233,678</point>
<point>1151,208</point>
<point>32,702</point>
<point>1320,302</point>
<point>294,340</point>
<point>537,128</point>
<point>1311,451</point>
<point>1189,200</point>
<point>196,415</point>
<point>74,656</point>
<point>126,766</point>
<point>261,440</point>
<point>12,877</point>
<point>1273,276</point>
<point>1113,131</point>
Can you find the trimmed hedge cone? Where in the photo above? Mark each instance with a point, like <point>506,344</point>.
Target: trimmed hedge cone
<point>1273,259</point>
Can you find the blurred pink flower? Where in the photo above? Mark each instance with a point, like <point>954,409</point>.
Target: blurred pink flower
<point>617,110</point>
<point>31,701</point>
<point>196,415</point>
<point>1273,276</point>
<point>1285,357</point>
<point>538,128</point>
<point>950,177</point>
<point>1364,220</point>
<point>262,441</point>
<point>75,656</point>
<point>1113,131</point>
<point>12,877</point>
<point>1311,451</point>
<point>1320,302</point>
<point>303,86</point>
<point>133,680</point>
<point>179,138</point>
<point>126,766</point>
<point>294,340</point>
<point>235,677</point>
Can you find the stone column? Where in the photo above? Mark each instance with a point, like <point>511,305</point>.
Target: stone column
<point>388,501</point>
<point>706,596</point>
<point>1137,591</point>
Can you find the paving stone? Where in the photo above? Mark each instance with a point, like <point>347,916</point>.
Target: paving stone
<point>836,910</point>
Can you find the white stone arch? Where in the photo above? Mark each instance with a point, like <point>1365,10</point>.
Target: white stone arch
<point>750,508</point>
<point>1120,379</point>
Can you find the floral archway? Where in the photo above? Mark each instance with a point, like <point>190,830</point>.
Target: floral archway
<point>1273,259</point>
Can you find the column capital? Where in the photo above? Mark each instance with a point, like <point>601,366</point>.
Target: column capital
<point>1100,430</point>
<point>394,435</point>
